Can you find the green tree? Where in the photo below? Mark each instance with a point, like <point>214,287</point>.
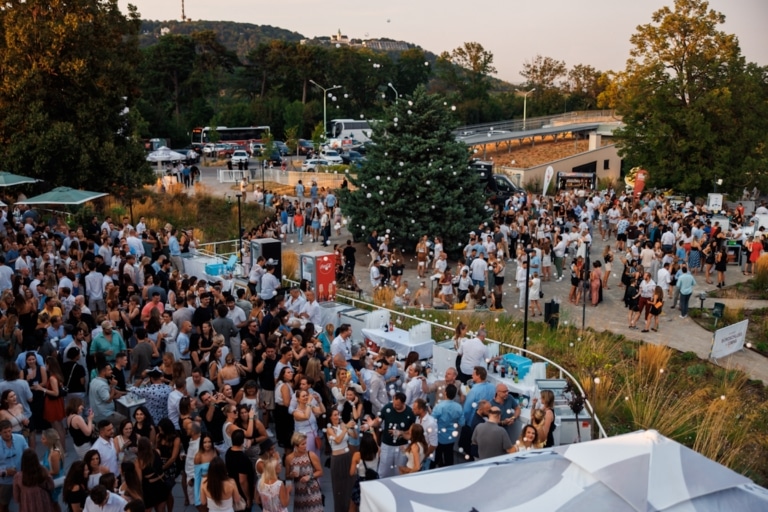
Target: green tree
<point>543,73</point>
<point>467,69</point>
<point>68,72</point>
<point>694,111</point>
<point>416,179</point>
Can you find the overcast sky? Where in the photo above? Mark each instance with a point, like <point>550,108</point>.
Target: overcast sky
<point>594,32</point>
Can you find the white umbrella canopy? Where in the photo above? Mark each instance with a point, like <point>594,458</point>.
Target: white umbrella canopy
<point>638,472</point>
<point>163,154</point>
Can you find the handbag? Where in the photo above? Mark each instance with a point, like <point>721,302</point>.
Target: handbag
<point>541,294</point>
<point>240,503</point>
<point>319,442</point>
<point>370,474</point>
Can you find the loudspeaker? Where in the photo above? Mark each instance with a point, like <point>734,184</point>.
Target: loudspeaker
<point>270,248</point>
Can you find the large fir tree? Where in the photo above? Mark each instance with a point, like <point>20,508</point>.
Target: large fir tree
<point>416,180</point>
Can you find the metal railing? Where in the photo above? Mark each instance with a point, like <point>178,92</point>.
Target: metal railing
<point>534,123</point>
<point>222,249</point>
<point>512,348</point>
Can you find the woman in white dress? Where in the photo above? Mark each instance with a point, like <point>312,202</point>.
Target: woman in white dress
<point>273,493</point>
<point>218,491</point>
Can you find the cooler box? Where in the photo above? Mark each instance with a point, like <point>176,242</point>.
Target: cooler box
<point>521,364</point>
<point>215,269</point>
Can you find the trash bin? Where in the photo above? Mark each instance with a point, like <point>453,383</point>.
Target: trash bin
<point>718,309</point>
<point>552,313</point>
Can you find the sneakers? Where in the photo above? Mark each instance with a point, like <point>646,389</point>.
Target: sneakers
<point>270,433</point>
<point>683,316</point>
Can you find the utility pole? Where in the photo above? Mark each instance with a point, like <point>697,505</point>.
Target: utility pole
<point>183,17</point>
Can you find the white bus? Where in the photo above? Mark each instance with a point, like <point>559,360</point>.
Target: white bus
<point>348,130</point>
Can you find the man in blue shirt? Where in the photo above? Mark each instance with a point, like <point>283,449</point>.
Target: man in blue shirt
<point>11,447</point>
<point>174,250</point>
<point>685,284</point>
<point>481,390</point>
<point>448,414</point>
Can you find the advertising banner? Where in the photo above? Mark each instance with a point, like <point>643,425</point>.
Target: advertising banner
<point>640,178</point>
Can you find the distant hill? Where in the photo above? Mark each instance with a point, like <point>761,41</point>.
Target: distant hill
<point>239,37</point>
<point>243,37</point>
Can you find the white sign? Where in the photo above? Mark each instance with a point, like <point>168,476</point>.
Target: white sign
<point>548,174</point>
<point>714,202</point>
<point>729,340</point>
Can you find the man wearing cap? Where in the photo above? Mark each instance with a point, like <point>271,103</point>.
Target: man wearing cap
<point>156,394</point>
<point>108,341</point>
<point>490,438</point>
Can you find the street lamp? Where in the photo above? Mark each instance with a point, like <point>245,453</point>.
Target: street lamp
<point>239,231</point>
<point>393,88</point>
<point>525,105</point>
<point>325,97</point>
<point>718,181</point>
<point>528,252</point>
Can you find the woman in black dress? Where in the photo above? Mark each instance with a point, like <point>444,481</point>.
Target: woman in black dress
<point>721,263</point>
<point>150,467</point>
<point>76,486</point>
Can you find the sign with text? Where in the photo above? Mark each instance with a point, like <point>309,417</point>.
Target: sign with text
<point>729,340</point>
<point>714,202</point>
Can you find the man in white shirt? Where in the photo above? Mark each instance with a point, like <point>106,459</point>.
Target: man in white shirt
<point>375,273</point>
<point>417,384</point>
<point>256,273</point>
<point>429,423</point>
<point>94,286</point>
<point>173,402</point>
<point>102,500</point>
<point>342,344</point>
<point>310,311</point>
<point>134,242</point>
<point>479,269</point>
<point>664,279</point>
<point>238,317</point>
<point>473,353</point>
<point>106,447</point>
<point>522,284</point>
<point>295,302</point>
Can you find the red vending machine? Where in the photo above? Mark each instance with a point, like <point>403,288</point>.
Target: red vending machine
<point>319,268</point>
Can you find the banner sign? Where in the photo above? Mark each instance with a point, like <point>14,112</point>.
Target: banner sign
<point>640,178</point>
<point>548,174</point>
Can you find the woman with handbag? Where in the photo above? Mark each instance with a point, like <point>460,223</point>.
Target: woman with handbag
<point>305,421</point>
<point>364,465</point>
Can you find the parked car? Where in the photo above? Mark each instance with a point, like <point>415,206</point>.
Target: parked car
<point>313,164</point>
<point>275,158</point>
<point>225,150</point>
<point>306,147</point>
<point>257,148</point>
<point>240,155</point>
<point>352,158</point>
<point>331,155</point>
<point>282,147</point>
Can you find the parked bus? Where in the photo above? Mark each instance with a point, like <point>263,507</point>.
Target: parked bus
<point>349,129</point>
<point>241,135</point>
<point>576,181</point>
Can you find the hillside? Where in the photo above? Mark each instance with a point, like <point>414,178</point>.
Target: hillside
<point>239,37</point>
<point>244,37</point>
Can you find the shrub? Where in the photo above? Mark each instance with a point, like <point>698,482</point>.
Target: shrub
<point>760,281</point>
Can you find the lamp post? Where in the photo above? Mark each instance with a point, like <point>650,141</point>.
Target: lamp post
<point>393,88</point>
<point>239,231</point>
<point>325,97</point>
<point>525,105</point>
<point>528,251</point>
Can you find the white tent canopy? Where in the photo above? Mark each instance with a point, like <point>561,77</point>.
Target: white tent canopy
<point>163,154</point>
<point>638,472</point>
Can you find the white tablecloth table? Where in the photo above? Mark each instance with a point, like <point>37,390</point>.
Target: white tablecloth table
<point>399,341</point>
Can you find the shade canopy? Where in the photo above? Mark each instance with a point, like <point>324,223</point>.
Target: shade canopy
<point>8,179</point>
<point>642,471</point>
<point>64,195</point>
<point>163,154</point>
